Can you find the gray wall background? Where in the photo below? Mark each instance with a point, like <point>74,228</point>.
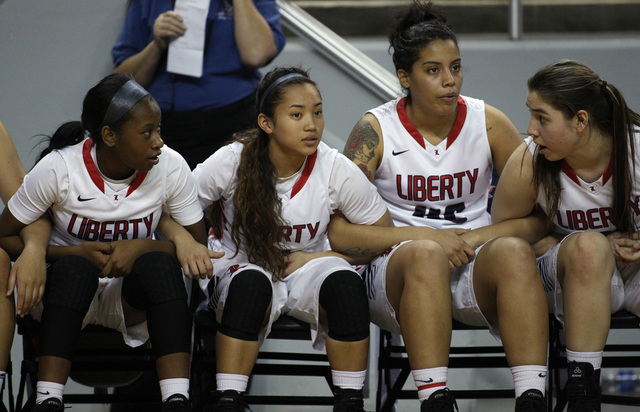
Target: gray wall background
<point>52,52</point>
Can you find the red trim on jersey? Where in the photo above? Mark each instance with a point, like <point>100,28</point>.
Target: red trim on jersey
<point>136,182</point>
<point>570,173</point>
<point>432,385</point>
<point>573,176</point>
<point>94,173</point>
<point>457,125</point>
<point>461,116</point>
<point>404,119</point>
<point>308,167</point>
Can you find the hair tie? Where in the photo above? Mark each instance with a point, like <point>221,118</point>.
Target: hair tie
<point>603,87</point>
<point>125,98</point>
<point>275,84</point>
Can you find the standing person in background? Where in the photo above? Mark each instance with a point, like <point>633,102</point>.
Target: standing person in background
<point>431,155</point>
<point>581,166</point>
<point>105,194</point>
<point>199,115</point>
<point>279,185</point>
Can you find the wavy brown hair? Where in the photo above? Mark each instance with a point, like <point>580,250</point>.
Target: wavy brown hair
<point>570,86</point>
<point>257,217</point>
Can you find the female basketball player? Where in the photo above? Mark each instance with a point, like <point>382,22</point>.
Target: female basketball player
<point>105,195</point>
<point>580,165</point>
<point>431,156</point>
<point>279,185</point>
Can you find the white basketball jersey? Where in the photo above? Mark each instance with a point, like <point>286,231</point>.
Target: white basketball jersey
<point>86,208</point>
<point>588,206</point>
<point>441,186</point>
<point>328,181</point>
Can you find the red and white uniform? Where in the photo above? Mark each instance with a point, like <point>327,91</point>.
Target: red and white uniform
<point>442,186</point>
<point>86,206</point>
<point>588,206</point>
<point>327,182</point>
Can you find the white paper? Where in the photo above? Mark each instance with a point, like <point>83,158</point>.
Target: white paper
<point>186,53</point>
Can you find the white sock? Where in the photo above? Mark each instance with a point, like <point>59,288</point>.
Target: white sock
<point>172,386</point>
<point>527,377</point>
<point>430,380</point>
<point>46,390</point>
<point>594,358</point>
<point>230,381</point>
<point>348,380</point>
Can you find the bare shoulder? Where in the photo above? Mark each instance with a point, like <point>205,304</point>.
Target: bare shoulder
<point>497,121</point>
<point>502,134</point>
<point>520,164</point>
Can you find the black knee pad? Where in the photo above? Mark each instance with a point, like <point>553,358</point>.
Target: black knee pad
<point>156,286</point>
<point>248,299</point>
<point>344,298</point>
<point>169,325</point>
<point>72,282</point>
<point>156,277</point>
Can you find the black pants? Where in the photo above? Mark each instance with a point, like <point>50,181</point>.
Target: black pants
<point>196,135</point>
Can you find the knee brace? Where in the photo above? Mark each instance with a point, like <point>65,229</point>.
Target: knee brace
<point>156,286</point>
<point>344,298</point>
<point>156,277</point>
<point>71,284</point>
<point>248,299</point>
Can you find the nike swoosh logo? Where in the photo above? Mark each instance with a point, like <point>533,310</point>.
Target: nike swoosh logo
<point>393,152</point>
<point>43,393</point>
<point>430,380</point>
<point>542,375</point>
<point>80,199</point>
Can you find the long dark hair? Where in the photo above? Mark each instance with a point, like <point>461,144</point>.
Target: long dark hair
<point>257,218</point>
<point>413,29</point>
<point>94,107</point>
<point>570,86</point>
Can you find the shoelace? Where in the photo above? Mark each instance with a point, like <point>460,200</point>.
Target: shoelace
<point>582,395</point>
<point>230,403</point>
<point>350,403</point>
<point>177,406</point>
<point>445,403</point>
<point>530,405</point>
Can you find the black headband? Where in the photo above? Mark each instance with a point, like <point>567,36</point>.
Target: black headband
<point>125,98</point>
<point>275,84</point>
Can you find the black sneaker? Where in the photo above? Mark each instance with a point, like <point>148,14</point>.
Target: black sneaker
<point>583,388</point>
<point>531,401</point>
<point>49,405</point>
<point>228,401</point>
<point>347,400</point>
<point>176,403</point>
<point>441,400</point>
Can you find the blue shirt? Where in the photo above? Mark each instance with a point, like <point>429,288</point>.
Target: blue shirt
<point>224,79</point>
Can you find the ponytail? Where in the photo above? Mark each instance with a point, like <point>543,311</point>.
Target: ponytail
<point>68,134</point>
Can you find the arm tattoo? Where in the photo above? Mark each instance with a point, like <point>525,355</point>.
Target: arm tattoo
<point>361,145</point>
<point>357,251</point>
